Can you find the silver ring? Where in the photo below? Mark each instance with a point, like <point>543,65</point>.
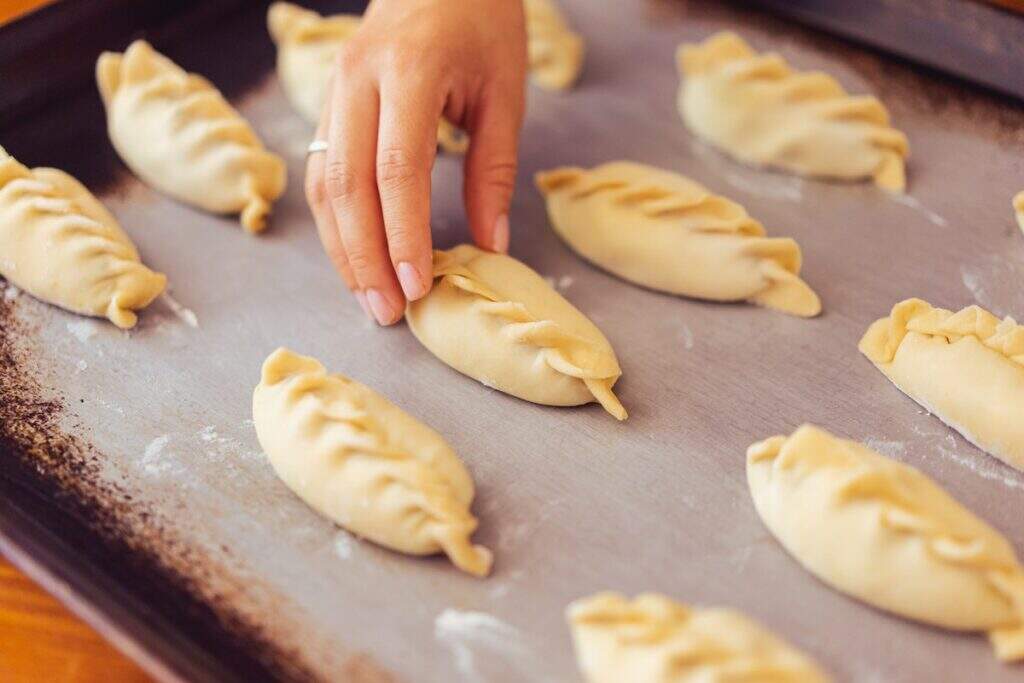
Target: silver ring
<point>316,146</point>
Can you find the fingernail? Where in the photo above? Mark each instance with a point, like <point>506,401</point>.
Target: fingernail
<point>499,238</point>
<point>409,278</point>
<point>382,310</point>
<point>361,298</point>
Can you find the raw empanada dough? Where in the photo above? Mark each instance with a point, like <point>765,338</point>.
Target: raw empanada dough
<point>967,368</point>
<point>655,640</point>
<point>1018,207</point>
<point>555,52</point>
<point>493,318</point>
<point>887,534</point>
<point>361,461</point>
<point>61,245</point>
<point>306,45</point>
<point>761,111</point>
<point>664,231</point>
<point>178,133</point>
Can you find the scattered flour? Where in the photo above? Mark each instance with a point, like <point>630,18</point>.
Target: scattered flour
<point>890,448</point>
<point>686,335</point>
<point>344,544</point>
<point>480,643</point>
<point>765,184</point>
<point>81,366</point>
<point>83,330</point>
<point>223,448</point>
<point>11,292</point>
<point>110,406</point>
<point>916,205</point>
<point>152,461</point>
<point>565,282</point>
<point>184,314</point>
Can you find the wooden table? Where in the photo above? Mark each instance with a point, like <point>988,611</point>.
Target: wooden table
<point>40,640</point>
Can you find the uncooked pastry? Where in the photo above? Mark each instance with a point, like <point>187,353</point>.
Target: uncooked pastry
<point>61,245</point>
<point>887,534</point>
<point>306,45</point>
<point>178,133</point>
<point>966,367</point>
<point>1018,207</point>
<point>555,52</point>
<point>761,111</point>
<point>662,230</point>
<point>656,640</point>
<point>491,317</point>
<point>364,463</point>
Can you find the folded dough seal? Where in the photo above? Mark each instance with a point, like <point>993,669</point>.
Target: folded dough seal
<point>554,51</point>
<point>306,46</point>
<point>178,134</point>
<point>967,368</point>
<point>664,231</point>
<point>886,534</point>
<point>364,463</point>
<point>61,245</point>
<point>762,112</point>
<point>653,639</point>
<point>493,318</point>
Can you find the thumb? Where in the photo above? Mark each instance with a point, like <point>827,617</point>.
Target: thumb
<point>491,170</point>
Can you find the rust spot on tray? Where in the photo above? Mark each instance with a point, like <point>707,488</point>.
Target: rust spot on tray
<point>164,575</point>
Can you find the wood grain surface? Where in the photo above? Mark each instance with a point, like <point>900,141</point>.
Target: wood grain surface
<point>40,640</point>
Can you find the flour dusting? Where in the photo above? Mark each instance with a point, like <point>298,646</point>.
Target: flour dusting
<point>686,335</point>
<point>184,314</point>
<point>11,292</point>
<point>762,184</point>
<point>890,448</point>
<point>83,330</point>
<point>565,282</point>
<point>343,544</point>
<point>81,366</point>
<point>916,205</point>
<point>480,643</point>
<point>153,461</point>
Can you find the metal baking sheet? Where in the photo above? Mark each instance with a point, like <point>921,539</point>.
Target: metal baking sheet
<point>141,443</point>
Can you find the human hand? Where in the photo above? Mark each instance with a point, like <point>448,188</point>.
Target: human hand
<point>410,62</point>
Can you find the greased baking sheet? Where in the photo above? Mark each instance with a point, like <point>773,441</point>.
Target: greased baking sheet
<point>570,500</point>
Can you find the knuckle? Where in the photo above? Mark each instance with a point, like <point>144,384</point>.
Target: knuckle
<point>397,168</point>
<point>360,258</point>
<point>501,174</point>
<point>349,58</point>
<point>340,180</point>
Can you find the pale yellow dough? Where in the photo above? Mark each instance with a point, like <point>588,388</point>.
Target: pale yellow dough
<point>178,134</point>
<point>652,639</point>
<point>555,52</point>
<point>966,367</point>
<point>1018,207</point>
<point>758,109</point>
<point>887,534</point>
<point>364,463</point>
<point>61,245</point>
<point>664,231</point>
<point>491,317</point>
<point>306,45</point>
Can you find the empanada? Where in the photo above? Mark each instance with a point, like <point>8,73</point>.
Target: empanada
<point>178,134</point>
<point>759,110</point>
<point>1018,207</point>
<point>967,368</point>
<point>664,231</point>
<point>364,463</point>
<point>306,45</point>
<point>61,245</point>
<point>887,534</point>
<point>555,52</point>
<point>653,639</point>
<point>491,317</point>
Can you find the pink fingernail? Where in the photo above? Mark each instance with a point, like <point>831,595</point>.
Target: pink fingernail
<point>382,310</point>
<point>412,283</point>
<point>361,298</point>
<point>500,236</point>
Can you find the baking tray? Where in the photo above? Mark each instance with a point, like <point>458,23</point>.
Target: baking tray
<point>133,485</point>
